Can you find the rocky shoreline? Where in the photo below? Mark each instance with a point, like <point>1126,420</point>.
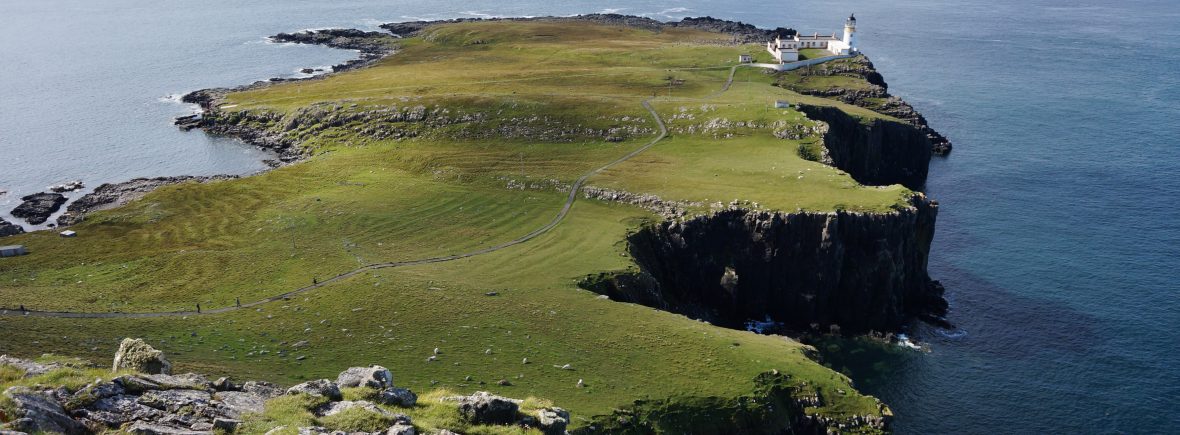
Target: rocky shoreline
<point>111,195</point>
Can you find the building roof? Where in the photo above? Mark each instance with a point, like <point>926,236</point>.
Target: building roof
<point>10,247</point>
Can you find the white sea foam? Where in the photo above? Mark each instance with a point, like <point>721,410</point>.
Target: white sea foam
<point>904,341</point>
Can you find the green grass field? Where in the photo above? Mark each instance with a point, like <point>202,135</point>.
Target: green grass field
<point>361,200</point>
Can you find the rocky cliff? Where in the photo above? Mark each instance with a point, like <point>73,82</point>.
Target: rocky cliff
<point>859,272</point>
<point>877,152</point>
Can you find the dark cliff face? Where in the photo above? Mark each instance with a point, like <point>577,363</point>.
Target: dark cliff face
<point>878,153</point>
<point>861,271</point>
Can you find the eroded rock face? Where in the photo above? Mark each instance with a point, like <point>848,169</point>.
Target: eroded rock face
<point>372,376</point>
<point>877,153</point>
<point>37,207</point>
<point>861,271</point>
<point>135,354</point>
<point>486,408</point>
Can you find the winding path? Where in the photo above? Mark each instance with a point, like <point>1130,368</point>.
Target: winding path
<point>565,209</point>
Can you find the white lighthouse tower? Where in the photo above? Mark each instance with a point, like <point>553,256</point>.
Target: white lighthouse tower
<point>850,33</point>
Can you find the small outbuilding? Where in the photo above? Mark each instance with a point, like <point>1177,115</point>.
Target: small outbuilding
<point>13,250</point>
<point>782,104</point>
<point>745,58</point>
<point>68,233</point>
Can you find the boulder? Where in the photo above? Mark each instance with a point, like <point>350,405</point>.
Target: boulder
<point>398,397</point>
<point>35,412</point>
<point>553,421</point>
<point>227,425</point>
<point>224,384</point>
<point>236,403</point>
<point>145,428</point>
<point>319,387</point>
<point>135,354</point>
<point>486,408</point>
<point>372,376</point>
<point>265,389</point>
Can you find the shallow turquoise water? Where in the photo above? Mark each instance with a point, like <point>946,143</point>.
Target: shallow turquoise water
<point>1058,239</point>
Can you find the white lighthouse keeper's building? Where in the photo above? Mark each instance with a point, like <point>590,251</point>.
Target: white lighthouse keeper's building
<point>787,49</point>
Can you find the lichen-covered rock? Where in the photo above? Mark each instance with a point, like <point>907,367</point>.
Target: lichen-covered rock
<point>372,376</point>
<point>553,421</point>
<point>486,408</point>
<point>172,400</point>
<point>319,387</point>
<point>145,428</point>
<point>135,354</point>
<point>236,403</point>
<point>37,413</point>
<point>398,397</point>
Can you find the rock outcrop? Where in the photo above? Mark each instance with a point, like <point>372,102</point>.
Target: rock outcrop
<point>876,97</point>
<point>37,207</point>
<point>135,354</point>
<point>859,271</point>
<point>875,152</point>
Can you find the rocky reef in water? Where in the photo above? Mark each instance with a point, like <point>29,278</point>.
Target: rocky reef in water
<point>9,229</point>
<point>36,208</point>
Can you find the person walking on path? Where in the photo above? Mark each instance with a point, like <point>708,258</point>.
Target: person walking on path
<point>198,308</point>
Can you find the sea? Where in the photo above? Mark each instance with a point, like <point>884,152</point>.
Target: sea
<point>1058,237</point>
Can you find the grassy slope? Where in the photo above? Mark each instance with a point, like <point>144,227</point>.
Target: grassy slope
<point>389,200</point>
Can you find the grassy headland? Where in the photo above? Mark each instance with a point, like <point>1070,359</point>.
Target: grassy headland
<point>463,139</point>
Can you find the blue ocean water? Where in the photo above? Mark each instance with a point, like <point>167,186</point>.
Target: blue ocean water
<point>1058,239</point>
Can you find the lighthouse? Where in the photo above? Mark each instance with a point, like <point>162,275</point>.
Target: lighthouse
<point>850,33</point>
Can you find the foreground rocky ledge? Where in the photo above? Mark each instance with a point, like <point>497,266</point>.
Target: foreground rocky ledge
<point>140,395</point>
<point>143,397</point>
